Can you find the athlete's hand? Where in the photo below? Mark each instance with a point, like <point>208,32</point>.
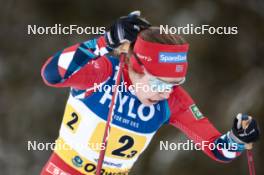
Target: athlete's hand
<point>126,29</point>
<point>245,129</point>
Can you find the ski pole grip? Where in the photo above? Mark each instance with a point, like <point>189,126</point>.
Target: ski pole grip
<point>123,48</point>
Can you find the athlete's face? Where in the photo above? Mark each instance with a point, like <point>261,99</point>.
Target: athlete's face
<point>150,89</point>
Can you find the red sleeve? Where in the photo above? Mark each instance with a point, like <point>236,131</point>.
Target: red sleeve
<point>78,66</point>
<point>186,116</point>
<point>96,71</point>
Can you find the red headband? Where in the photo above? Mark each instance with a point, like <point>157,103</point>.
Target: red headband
<point>162,60</point>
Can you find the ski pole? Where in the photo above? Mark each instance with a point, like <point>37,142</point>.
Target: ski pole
<point>251,166</point>
<point>250,160</point>
<point>123,49</point>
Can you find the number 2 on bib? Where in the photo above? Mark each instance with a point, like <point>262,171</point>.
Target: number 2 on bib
<point>122,144</point>
<point>71,119</point>
<point>128,143</point>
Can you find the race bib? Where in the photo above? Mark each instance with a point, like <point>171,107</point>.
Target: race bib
<point>121,144</point>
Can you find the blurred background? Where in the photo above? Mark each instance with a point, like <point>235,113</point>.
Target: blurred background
<point>226,76</point>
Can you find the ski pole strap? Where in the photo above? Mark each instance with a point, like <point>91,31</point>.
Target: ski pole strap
<point>251,165</point>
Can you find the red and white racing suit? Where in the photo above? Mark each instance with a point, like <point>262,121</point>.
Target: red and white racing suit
<point>134,124</point>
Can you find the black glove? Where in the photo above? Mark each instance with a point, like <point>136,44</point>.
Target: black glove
<point>126,29</point>
<point>246,135</point>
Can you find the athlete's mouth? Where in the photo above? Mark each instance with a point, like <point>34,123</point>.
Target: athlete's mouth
<point>153,101</point>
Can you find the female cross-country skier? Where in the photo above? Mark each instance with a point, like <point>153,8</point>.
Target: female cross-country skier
<point>150,96</point>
